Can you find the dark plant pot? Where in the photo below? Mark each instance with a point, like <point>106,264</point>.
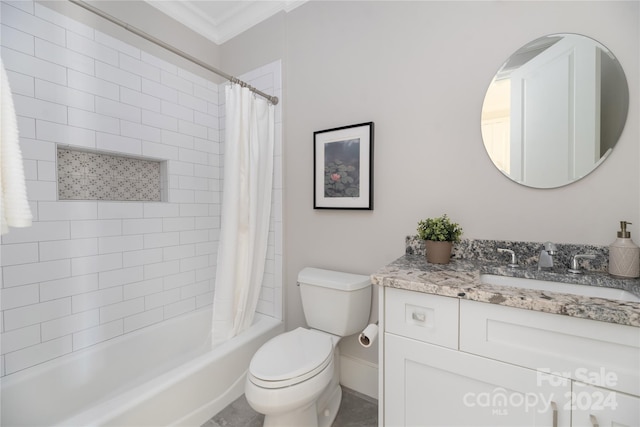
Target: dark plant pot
<point>438,252</point>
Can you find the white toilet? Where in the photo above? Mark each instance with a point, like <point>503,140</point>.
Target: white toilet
<point>294,378</point>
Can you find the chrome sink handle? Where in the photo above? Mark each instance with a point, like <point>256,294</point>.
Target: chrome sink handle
<point>514,259</point>
<point>575,268</point>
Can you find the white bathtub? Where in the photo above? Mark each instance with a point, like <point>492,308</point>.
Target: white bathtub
<point>161,375</point>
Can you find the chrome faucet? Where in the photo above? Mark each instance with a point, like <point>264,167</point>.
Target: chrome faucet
<point>514,259</point>
<point>546,255</point>
<point>575,267</point>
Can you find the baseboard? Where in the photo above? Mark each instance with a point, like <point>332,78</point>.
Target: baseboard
<point>359,375</point>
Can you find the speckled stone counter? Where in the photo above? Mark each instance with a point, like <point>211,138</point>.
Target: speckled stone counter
<point>461,279</point>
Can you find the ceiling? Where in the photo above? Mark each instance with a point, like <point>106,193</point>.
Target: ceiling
<point>219,20</point>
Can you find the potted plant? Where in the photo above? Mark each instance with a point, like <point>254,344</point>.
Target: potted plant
<point>439,235</point>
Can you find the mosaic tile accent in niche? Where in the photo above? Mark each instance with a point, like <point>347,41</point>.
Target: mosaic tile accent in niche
<point>84,175</point>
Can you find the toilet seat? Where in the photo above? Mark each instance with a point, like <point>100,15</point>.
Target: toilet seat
<point>291,358</point>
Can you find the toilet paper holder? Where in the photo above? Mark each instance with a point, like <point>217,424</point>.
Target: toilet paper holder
<point>368,335</point>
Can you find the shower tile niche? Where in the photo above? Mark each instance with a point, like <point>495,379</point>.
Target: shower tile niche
<point>86,175</point>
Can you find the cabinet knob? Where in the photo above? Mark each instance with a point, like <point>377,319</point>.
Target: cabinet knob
<point>554,406</point>
<point>594,421</point>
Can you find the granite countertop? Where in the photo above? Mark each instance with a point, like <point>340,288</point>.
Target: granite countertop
<point>461,279</point>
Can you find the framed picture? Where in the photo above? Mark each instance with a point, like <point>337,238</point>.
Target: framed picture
<point>343,167</point>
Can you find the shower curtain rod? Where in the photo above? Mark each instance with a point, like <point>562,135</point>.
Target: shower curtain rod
<point>136,31</point>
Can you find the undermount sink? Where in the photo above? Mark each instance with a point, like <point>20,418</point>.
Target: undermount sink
<point>566,288</point>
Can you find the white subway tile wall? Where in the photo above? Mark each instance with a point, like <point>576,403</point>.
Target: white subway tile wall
<point>89,271</point>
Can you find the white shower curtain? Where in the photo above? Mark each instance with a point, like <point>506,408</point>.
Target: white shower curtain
<point>246,208</point>
<point>14,206</point>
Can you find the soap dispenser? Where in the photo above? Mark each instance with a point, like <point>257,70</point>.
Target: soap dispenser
<point>624,255</point>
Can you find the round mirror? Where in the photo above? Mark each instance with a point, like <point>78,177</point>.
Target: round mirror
<point>554,110</point>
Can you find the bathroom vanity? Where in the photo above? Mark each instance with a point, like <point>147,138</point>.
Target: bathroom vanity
<point>456,351</point>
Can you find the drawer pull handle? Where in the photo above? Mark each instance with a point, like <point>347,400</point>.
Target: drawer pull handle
<point>594,421</point>
<point>555,414</point>
<point>418,317</point>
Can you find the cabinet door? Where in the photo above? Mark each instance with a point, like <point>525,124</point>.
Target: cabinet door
<point>428,385</point>
<point>599,407</point>
<point>582,349</point>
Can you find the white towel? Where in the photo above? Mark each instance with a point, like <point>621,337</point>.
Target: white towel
<point>14,207</point>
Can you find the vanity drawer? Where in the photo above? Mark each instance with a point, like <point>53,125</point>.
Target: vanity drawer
<point>424,317</point>
<point>605,354</point>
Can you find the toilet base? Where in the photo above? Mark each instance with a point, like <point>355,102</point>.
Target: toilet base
<point>327,415</point>
<point>302,418</point>
<point>311,416</point>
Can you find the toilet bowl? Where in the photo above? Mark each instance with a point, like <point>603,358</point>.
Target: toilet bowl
<point>291,375</point>
<point>294,378</point>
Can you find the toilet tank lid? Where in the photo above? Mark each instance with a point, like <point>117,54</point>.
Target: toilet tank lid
<point>333,279</point>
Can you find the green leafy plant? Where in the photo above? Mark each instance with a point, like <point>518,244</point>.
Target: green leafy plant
<point>439,229</point>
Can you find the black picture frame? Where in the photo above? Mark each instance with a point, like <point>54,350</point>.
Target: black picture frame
<point>343,167</point>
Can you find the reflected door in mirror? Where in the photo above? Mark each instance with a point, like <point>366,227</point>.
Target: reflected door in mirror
<point>555,135</point>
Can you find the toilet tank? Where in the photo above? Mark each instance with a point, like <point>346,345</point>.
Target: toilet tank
<point>335,302</point>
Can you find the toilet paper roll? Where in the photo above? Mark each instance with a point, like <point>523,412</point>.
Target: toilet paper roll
<point>369,335</point>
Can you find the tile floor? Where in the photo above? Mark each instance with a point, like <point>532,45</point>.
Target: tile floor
<point>356,410</point>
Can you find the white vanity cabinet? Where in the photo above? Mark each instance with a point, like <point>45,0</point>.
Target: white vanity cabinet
<point>603,354</point>
<point>450,362</point>
<point>429,385</point>
<point>599,407</point>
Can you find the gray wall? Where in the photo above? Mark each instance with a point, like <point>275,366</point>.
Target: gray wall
<point>419,70</point>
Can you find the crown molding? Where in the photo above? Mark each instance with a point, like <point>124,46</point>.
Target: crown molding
<point>220,23</point>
